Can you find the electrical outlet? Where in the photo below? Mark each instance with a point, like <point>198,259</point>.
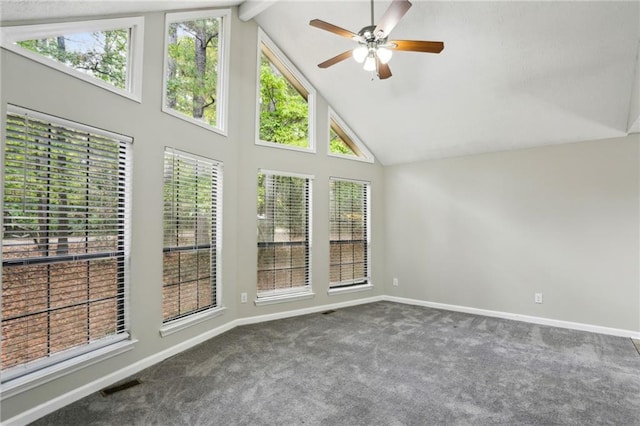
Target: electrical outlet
<point>538,297</point>
<point>243,297</point>
<point>395,282</point>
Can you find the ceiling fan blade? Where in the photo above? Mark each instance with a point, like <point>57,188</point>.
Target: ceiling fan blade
<point>334,29</point>
<point>338,58</point>
<point>392,16</point>
<point>416,45</point>
<point>384,71</point>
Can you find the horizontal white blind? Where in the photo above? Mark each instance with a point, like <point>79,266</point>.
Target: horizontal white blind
<point>65,238</point>
<point>283,233</point>
<point>191,237</point>
<point>348,228</point>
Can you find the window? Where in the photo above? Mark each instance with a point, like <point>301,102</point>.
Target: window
<point>284,233</point>
<point>344,143</point>
<point>192,187</point>
<point>65,243</point>
<point>196,67</point>
<point>107,53</point>
<point>349,233</point>
<point>285,107</point>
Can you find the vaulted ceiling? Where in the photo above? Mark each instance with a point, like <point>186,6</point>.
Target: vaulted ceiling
<point>512,74</point>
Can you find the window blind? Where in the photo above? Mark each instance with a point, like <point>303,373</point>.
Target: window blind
<point>349,233</point>
<point>283,233</point>
<point>191,236</point>
<point>64,241</point>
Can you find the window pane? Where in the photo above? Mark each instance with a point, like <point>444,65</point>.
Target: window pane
<point>190,234</point>
<point>100,54</point>
<point>63,247</point>
<point>192,71</point>
<point>348,239</point>
<point>337,145</point>
<point>343,142</point>
<point>284,110</point>
<point>283,232</point>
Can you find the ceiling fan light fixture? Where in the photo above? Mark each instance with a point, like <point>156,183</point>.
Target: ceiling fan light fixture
<point>374,50</point>
<point>360,53</point>
<point>384,54</point>
<point>370,62</point>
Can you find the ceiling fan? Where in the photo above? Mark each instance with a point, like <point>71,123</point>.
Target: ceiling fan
<point>374,49</point>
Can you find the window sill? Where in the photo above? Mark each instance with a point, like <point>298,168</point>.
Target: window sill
<point>309,150</point>
<point>40,377</point>
<point>193,121</point>
<point>350,289</point>
<point>351,157</point>
<point>283,298</point>
<point>186,322</point>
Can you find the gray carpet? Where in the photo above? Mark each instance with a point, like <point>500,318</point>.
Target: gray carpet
<point>382,364</point>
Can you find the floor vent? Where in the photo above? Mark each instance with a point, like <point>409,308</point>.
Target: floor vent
<point>120,387</point>
<point>328,312</point>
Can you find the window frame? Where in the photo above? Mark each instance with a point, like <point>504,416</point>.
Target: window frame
<point>222,84</point>
<point>12,34</point>
<point>297,293</point>
<point>25,376</point>
<point>366,155</point>
<point>291,71</point>
<point>354,285</point>
<point>195,317</point>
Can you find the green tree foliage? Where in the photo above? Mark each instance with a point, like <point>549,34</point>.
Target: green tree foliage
<point>282,207</point>
<point>284,112</point>
<point>101,54</point>
<point>349,199</point>
<point>337,145</point>
<point>188,201</point>
<point>58,187</point>
<point>192,74</point>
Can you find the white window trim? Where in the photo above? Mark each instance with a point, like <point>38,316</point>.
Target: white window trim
<point>340,289</point>
<point>55,371</point>
<point>368,156</point>
<point>288,174</point>
<point>311,97</point>
<point>9,37</point>
<point>179,324</point>
<point>285,295</point>
<point>191,320</point>
<point>352,289</point>
<point>298,293</point>
<point>222,89</point>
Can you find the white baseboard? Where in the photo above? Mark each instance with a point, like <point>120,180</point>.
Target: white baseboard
<point>305,311</point>
<point>86,390</point>
<point>518,317</point>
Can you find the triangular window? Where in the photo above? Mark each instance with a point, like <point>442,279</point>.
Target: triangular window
<point>285,104</point>
<point>344,143</point>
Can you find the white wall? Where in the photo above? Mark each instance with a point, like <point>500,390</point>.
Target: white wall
<point>32,85</point>
<point>487,231</point>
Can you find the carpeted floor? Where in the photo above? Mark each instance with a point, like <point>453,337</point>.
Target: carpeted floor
<point>382,364</point>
